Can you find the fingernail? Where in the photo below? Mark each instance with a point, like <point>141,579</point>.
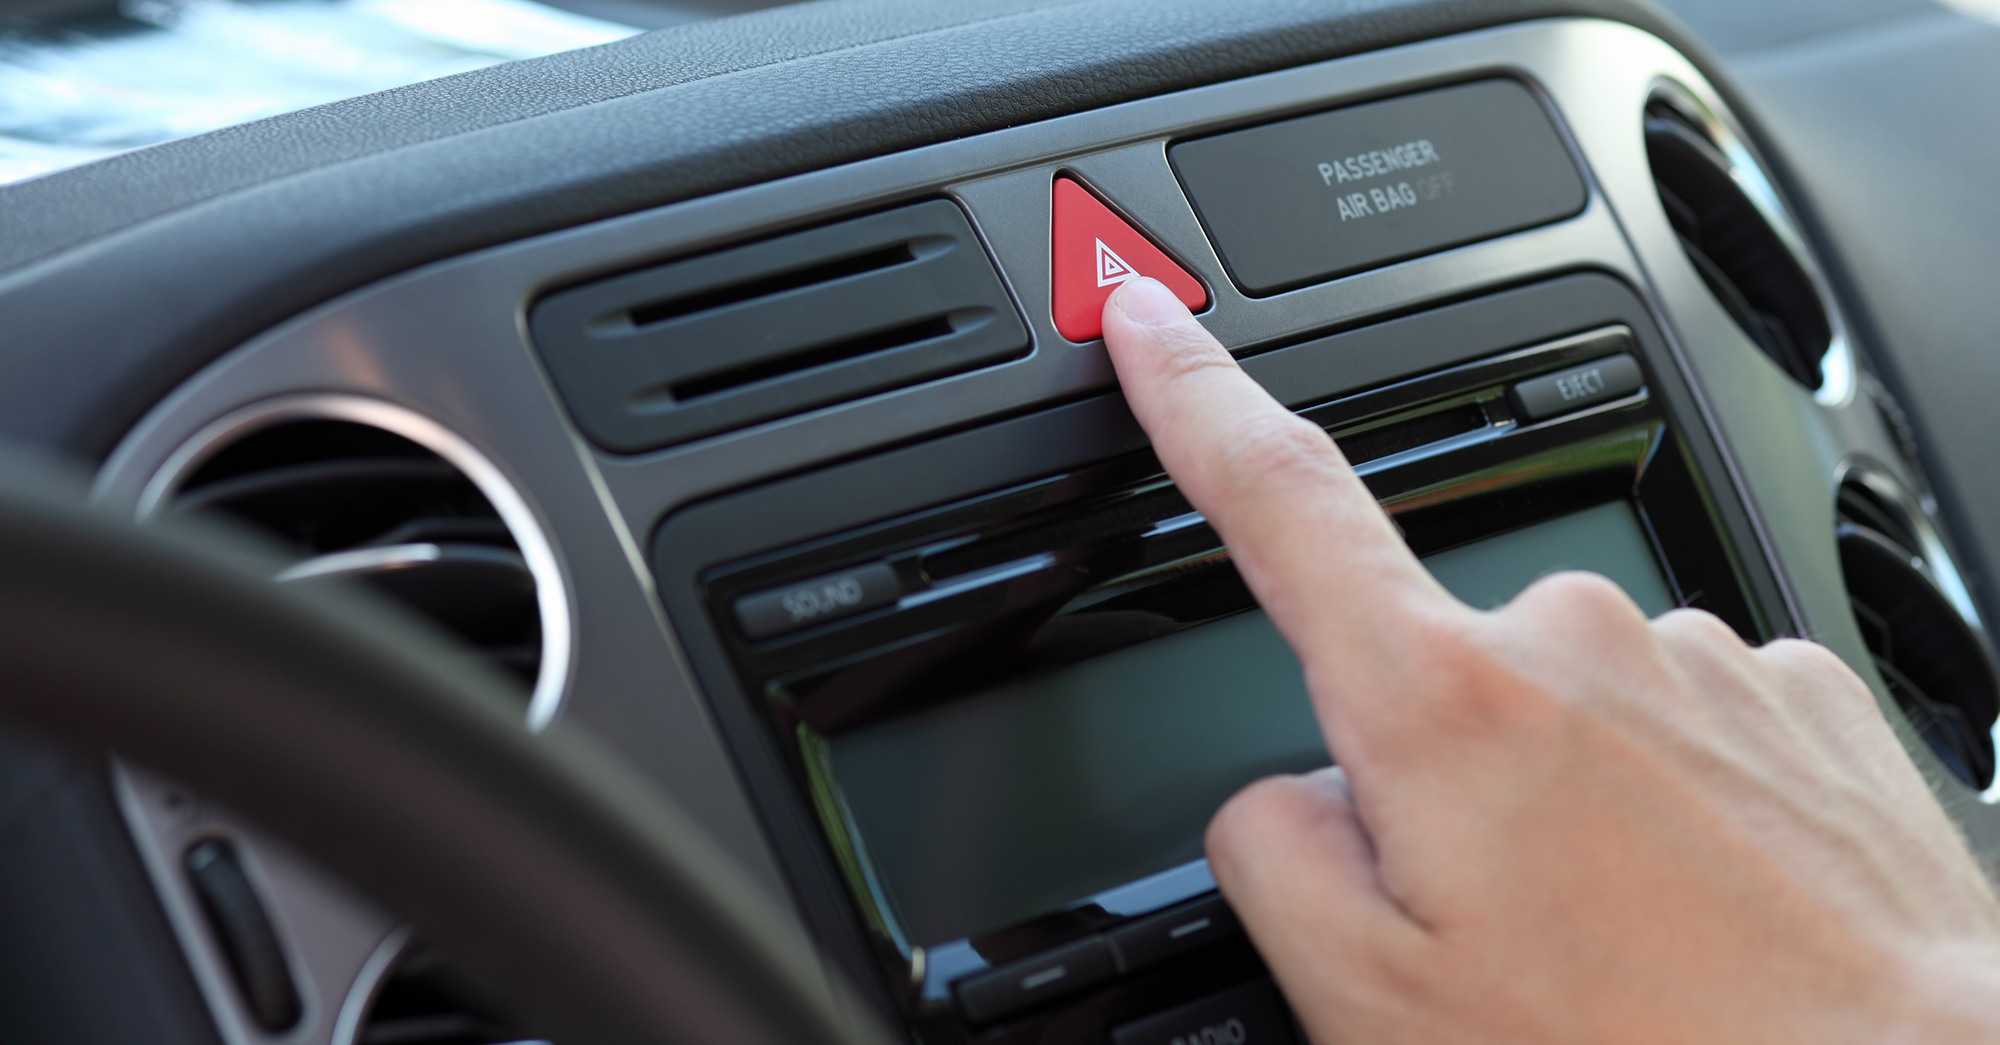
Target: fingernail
<point>1149,302</point>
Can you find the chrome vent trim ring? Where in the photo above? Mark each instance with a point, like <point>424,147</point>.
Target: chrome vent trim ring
<point>1839,376</point>
<point>347,1026</point>
<point>1940,567</point>
<point>551,590</point>
<point>1933,561</point>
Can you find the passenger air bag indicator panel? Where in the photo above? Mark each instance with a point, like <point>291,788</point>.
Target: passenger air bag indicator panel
<point>1313,198</point>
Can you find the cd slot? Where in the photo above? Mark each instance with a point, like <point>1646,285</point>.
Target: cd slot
<point>1158,508</point>
<point>1373,444</point>
<point>1127,514</point>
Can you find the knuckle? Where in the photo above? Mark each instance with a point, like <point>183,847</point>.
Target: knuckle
<point>1698,639</point>
<point>1572,610</point>
<point>1584,608</point>
<point>1264,810</point>
<point>1809,679</point>
<point>1190,371</point>
<point>1277,445</point>
<point>1806,658</point>
<point>1188,351</point>
<point>1468,688</point>
<point>1698,626</point>
<point>1576,594</point>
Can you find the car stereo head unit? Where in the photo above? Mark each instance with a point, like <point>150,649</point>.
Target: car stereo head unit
<point>989,690</point>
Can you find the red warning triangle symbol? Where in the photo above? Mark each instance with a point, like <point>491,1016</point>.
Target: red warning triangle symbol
<point>1092,251</point>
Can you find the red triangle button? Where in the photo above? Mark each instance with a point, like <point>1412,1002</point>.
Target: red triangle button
<point>1092,252</point>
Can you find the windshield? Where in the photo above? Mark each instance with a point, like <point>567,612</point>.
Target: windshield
<point>81,80</point>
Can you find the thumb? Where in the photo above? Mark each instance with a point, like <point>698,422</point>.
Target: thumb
<point>1290,851</point>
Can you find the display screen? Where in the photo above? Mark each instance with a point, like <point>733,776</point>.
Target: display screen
<point>1035,795</point>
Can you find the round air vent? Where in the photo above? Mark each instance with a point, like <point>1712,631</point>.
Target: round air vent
<point>362,491</point>
<point>1919,624</point>
<point>1706,182</point>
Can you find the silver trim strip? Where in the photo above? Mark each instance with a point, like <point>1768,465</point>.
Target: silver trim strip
<point>367,984</point>
<point>361,560</point>
<point>1936,562</point>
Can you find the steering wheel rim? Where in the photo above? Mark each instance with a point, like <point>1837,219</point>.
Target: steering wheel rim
<point>556,879</point>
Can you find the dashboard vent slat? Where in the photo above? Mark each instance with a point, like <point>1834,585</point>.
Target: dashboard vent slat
<point>826,272</point>
<point>758,332</point>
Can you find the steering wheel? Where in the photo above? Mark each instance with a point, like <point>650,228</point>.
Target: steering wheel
<point>556,881</point>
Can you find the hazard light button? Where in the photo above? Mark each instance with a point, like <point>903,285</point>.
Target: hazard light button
<point>1094,250</point>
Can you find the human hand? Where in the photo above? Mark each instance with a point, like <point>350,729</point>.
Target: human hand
<point>1556,821</point>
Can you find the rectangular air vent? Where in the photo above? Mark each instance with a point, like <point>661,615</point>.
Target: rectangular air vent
<point>750,334</point>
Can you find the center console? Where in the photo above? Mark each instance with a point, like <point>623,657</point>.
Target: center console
<point>1001,680</point>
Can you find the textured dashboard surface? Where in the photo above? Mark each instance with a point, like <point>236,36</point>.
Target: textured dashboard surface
<point>153,263</point>
<point>1734,26</point>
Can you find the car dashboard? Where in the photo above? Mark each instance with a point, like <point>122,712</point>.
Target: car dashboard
<point>798,478</point>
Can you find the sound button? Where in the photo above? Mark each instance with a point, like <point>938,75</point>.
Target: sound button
<point>815,600</point>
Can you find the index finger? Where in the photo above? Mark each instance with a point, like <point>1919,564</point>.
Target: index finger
<point>1318,553</point>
